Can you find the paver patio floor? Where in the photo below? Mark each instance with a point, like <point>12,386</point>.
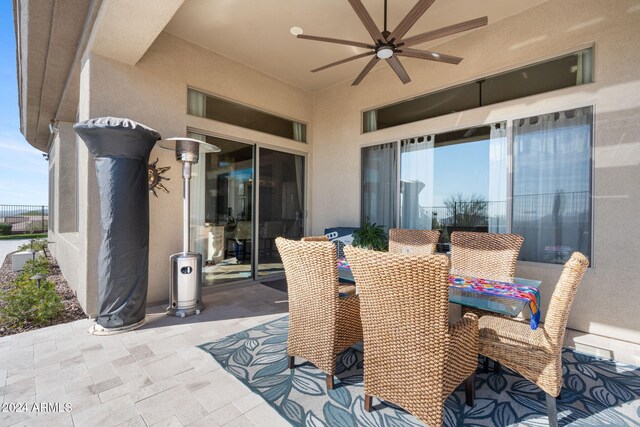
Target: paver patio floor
<point>152,376</point>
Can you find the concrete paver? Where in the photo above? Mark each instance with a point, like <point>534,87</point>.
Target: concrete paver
<point>151,376</point>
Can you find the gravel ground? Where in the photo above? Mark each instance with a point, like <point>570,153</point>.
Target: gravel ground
<point>72,309</point>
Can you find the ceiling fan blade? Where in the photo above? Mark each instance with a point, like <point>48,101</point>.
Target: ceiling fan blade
<point>407,22</point>
<point>342,61</point>
<point>366,70</point>
<point>395,64</point>
<point>445,31</point>
<point>431,56</point>
<point>338,41</point>
<point>366,19</point>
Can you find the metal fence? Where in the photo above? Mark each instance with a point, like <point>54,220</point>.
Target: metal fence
<point>464,214</point>
<point>24,219</point>
<point>534,211</point>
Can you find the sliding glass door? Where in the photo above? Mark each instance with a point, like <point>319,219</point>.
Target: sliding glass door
<point>225,205</point>
<point>222,210</point>
<point>281,205</point>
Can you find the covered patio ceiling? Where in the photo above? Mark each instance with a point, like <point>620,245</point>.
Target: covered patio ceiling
<point>53,41</point>
<point>257,32</point>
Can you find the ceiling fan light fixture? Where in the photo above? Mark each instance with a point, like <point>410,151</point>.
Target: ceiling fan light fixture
<point>384,52</point>
<point>296,31</point>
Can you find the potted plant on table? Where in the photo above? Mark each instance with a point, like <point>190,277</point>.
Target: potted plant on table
<point>371,236</point>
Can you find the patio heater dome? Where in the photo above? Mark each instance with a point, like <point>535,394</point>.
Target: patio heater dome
<point>186,267</point>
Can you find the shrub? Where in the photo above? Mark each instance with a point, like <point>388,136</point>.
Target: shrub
<point>5,229</point>
<point>25,302</point>
<point>370,236</point>
<point>36,244</point>
<point>38,266</point>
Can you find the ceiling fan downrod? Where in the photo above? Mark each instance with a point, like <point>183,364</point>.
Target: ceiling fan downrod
<point>385,33</point>
<point>385,48</point>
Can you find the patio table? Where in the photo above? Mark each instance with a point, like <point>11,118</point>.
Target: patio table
<point>476,298</point>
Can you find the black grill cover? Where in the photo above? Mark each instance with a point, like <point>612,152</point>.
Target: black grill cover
<point>121,150</point>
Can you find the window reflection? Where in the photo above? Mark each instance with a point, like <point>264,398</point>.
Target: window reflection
<point>222,210</point>
<point>455,181</point>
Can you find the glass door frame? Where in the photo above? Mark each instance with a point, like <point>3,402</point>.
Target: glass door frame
<point>256,194</point>
<point>256,197</point>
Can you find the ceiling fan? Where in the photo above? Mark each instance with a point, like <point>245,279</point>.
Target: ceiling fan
<point>390,45</point>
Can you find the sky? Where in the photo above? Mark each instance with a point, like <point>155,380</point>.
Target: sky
<point>23,170</point>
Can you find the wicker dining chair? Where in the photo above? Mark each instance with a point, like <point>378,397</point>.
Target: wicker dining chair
<point>412,356</point>
<point>343,288</point>
<point>322,324</point>
<point>536,354</point>
<point>487,255</point>
<point>315,239</point>
<point>414,242</point>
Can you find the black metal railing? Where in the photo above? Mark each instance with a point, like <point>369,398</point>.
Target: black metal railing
<point>534,210</point>
<point>24,219</point>
<point>464,215</point>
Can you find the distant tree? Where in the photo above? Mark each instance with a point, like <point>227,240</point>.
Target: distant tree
<point>467,211</point>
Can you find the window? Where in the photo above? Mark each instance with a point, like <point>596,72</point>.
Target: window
<point>552,185</point>
<point>211,107</point>
<point>569,70</point>
<point>455,180</point>
<point>68,185</point>
<point>458,181</point>
<point>52,187</point>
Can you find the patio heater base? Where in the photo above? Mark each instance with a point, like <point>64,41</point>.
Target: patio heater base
<point>183,312</point>
<point>186,284</point>
<point>102,331</point>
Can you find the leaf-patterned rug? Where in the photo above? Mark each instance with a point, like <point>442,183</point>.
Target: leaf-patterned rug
<point>596,391</point>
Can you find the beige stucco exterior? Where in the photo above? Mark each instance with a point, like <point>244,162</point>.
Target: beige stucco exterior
<point>153,91</point>
<point>603,305</point>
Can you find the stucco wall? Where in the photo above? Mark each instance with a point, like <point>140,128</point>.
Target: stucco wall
<point>606,302</point>
<point>66,245</point>
<point>154,92</point>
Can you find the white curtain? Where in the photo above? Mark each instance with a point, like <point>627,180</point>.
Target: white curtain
<point>417,182</point>
<point>584,67</point>
<point>497,209</point>
<point>379,184</point>
<point>199,231</point>
<point>552,185</point>
<point>370,121</point>
<point>299,132</point>
<point>196,103</point>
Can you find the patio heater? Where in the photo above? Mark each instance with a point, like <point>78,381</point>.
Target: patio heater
<point>186,266</point>
<point>121,149</point>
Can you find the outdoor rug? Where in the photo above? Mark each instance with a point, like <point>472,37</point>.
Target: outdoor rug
<point>596,391</point>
